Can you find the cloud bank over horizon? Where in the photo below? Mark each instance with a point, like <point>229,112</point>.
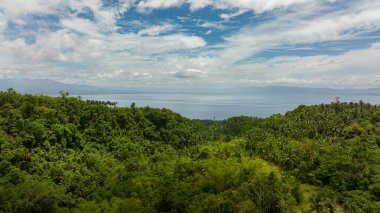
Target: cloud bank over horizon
<point>190,43</point>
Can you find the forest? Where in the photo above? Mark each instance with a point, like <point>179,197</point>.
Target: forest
<point>65,154</point>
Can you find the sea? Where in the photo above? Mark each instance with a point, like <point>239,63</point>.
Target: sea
<point>219,106</point>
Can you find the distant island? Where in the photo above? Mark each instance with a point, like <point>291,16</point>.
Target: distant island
<point>50,87</point>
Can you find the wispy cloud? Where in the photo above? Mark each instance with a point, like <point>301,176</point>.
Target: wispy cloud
<point>295,29</point>
<point>233,14</point>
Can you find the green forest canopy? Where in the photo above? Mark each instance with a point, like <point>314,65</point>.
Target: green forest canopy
<point>65,154</point>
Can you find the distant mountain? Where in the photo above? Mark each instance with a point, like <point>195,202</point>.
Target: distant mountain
<point>302,90</point>
<point>50,87</point>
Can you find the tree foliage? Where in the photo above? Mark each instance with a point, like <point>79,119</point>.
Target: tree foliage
<point>65,154</point>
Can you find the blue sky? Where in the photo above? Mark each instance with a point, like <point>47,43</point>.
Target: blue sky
<point>191,43</point>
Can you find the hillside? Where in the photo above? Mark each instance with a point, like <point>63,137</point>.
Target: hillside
<point>65,154</point>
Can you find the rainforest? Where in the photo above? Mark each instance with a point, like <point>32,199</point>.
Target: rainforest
<point>65,154</point>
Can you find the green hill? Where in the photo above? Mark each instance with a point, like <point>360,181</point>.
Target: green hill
<point>65,154</point>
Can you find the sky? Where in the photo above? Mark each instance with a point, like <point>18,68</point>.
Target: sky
<point>192,43</point>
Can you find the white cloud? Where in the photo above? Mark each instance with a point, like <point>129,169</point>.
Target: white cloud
<point>3,23</point>
<point>82,26</point>
<point>94,51</point>
<point>111,75</point>
<point>49,47</point>
<point>180,41</point>
<point>356,68</point>
<point>282,81</point>
<point>83,40</point>
<point>7,73</point>
<point>189,73</point>
<point>16,10</point>
<point>157,30</point>
<point>208,24</point>
<point>198,4</point>
<point>149,45</point>
<point>232,15</point>
<point>259,6</point>
<point>206,64</point>
<point>148,5</point>
<point>13,7</point>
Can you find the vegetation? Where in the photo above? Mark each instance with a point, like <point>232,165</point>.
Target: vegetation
<point>65,154</point>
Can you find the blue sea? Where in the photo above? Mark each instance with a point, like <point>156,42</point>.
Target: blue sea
<point>222,106</point>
